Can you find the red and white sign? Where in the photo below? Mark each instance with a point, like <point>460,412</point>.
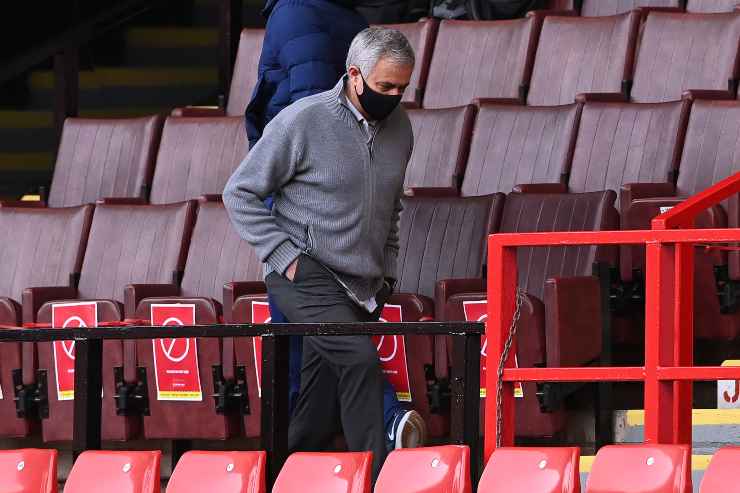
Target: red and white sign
<point>260,315</point>
<point>477,311</point>
<point>69,315</point>
<point>392,354</point>
<point>176,360</point>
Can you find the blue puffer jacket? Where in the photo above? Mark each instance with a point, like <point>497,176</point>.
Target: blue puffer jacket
<point>304,52</point>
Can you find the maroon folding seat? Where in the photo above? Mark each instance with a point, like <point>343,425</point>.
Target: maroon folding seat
<point>243,80</point>
<point>421,35</point>
<point>127,244</point>
<point>680,52</point>
<point>197,156</point>
<point>441,144</point>
<point>43,247</point>
<point>216,256</point>
<point>583,54</point>
<point>612,7</point>
<point>100,158</point>
<point>709,6</point>
<point>481,59</point>
<point>560,322</point>
<point>519,144</point>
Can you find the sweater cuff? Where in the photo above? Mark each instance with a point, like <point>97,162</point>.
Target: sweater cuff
<point>284,255</point>
<point>390,265</point>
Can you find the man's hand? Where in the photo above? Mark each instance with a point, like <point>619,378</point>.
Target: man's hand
<point>290,271</point>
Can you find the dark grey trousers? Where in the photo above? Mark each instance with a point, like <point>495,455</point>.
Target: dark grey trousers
<point>341,379</point>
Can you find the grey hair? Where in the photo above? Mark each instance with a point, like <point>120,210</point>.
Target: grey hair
<point>377,42</point>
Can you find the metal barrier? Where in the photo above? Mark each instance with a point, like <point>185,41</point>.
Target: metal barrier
<point>465,381</point>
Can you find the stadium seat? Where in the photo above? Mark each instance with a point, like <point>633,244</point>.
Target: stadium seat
<point>122,472</point>
<point>100,158</point>
<point>709,6</point>
<point>643,468</point>
<point>196,157</point>
<point>680,52</point>
<point>222,472</point>
<point>421,35</point>
<point>519,144</point>
<point>43,247</point>
<point>216,256</point>
<point>28,471</point>
<point>612,7</point>
<point>443,469</point>
<point>533,469</point>
<point>583,54</point>
<point>327,472</point>
<point>555,280</point>
<point>127,244</point>
<point>722,471</point>
<point>441,144</point>
<point>481,59</point>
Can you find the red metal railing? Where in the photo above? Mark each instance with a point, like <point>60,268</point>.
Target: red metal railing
<point>668,370</point>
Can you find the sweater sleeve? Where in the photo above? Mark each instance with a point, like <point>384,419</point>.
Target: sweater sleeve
<point>270,164</point>
<point>390,268</point>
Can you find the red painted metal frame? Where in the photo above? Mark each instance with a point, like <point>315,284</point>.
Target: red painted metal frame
<point>668,372</point>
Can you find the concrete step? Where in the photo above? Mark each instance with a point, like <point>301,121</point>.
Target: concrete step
<point>172,46</point>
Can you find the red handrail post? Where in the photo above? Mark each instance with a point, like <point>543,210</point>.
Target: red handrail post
<point>683,329</point>
<point>502,284</point>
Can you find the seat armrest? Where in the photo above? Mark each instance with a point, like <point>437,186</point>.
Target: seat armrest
<point>540,188</point>
<point>635,191</point>
<point>645,11</point>
<point>715,94</point>
<point>601,97</point>
<point>234,290</point>
<point>211,197</point>
<point>198,111</point>
<point>134,293</point>
<point>34,298</point>
<point>122,201</point>
<point>448,287</point>
<point>510,101</point>
<point>22,203</point>
<point>574,321</point>
<point>417,307</point>
<point>553,12</point>
<point>431,192</point>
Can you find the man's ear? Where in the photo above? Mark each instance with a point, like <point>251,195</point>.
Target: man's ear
<point>355,78</point>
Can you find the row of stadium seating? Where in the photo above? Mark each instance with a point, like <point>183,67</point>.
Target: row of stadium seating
<point>645,56</point>
<point>443,469</point>
<point>600,7</point>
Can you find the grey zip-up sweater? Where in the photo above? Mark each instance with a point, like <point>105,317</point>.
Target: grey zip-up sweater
<point>334,198</point>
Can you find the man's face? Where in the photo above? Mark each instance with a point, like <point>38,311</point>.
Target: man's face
<point>386,78</point>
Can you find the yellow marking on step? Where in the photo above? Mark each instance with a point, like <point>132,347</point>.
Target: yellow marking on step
<point>132,77</point>
<point>25,161</point>
<point>701,417</point>
<point>172,37</point>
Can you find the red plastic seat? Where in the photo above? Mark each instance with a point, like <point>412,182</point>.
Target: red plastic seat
<point>722,471</point>
<point>119,471</point>
<point>641,469</point>
<point>444,469</point>
<point>325,472</point>
<point>28,471</point>
<point>532,469</point>
<point>421,36</point>
<point>222,472</point>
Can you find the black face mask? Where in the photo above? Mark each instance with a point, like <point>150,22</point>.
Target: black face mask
<point>376,104</point>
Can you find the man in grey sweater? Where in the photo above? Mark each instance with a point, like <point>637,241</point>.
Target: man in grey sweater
<point>335,164</point>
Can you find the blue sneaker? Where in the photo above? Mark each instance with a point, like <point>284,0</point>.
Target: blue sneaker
<point>407,430</point>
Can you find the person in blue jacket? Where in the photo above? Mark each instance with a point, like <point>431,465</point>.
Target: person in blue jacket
<point>304,53</point>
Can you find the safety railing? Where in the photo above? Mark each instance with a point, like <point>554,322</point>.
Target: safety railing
<point>668,370</point>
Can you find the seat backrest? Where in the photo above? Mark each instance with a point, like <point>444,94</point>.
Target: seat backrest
<point>244,77</point>
<point>612,7</point>
<point>531,213</point>
<point>441,144</point>
<point>119,471</point>
<point>519,144</point>
<point>217,255</point>
<point>325,472</point>
<point>421,35</point>
<point>679,52</point>
<point>28,470</point>
<point>42,247</point>
<point>134,244</point>
<point>443,469</point>
<point>722,471</point>
<point>643,468</point>
<point>540,469</point>
<point>582,54</point>
<point>100,158</point>
<point>225,472</point>
<point>480,59</point>
<point>197,156</point>
<point>444,238</point>
<point>708,6</point>
<point>620,143</point>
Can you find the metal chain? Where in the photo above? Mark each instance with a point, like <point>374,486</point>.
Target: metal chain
<point>502,362</point>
